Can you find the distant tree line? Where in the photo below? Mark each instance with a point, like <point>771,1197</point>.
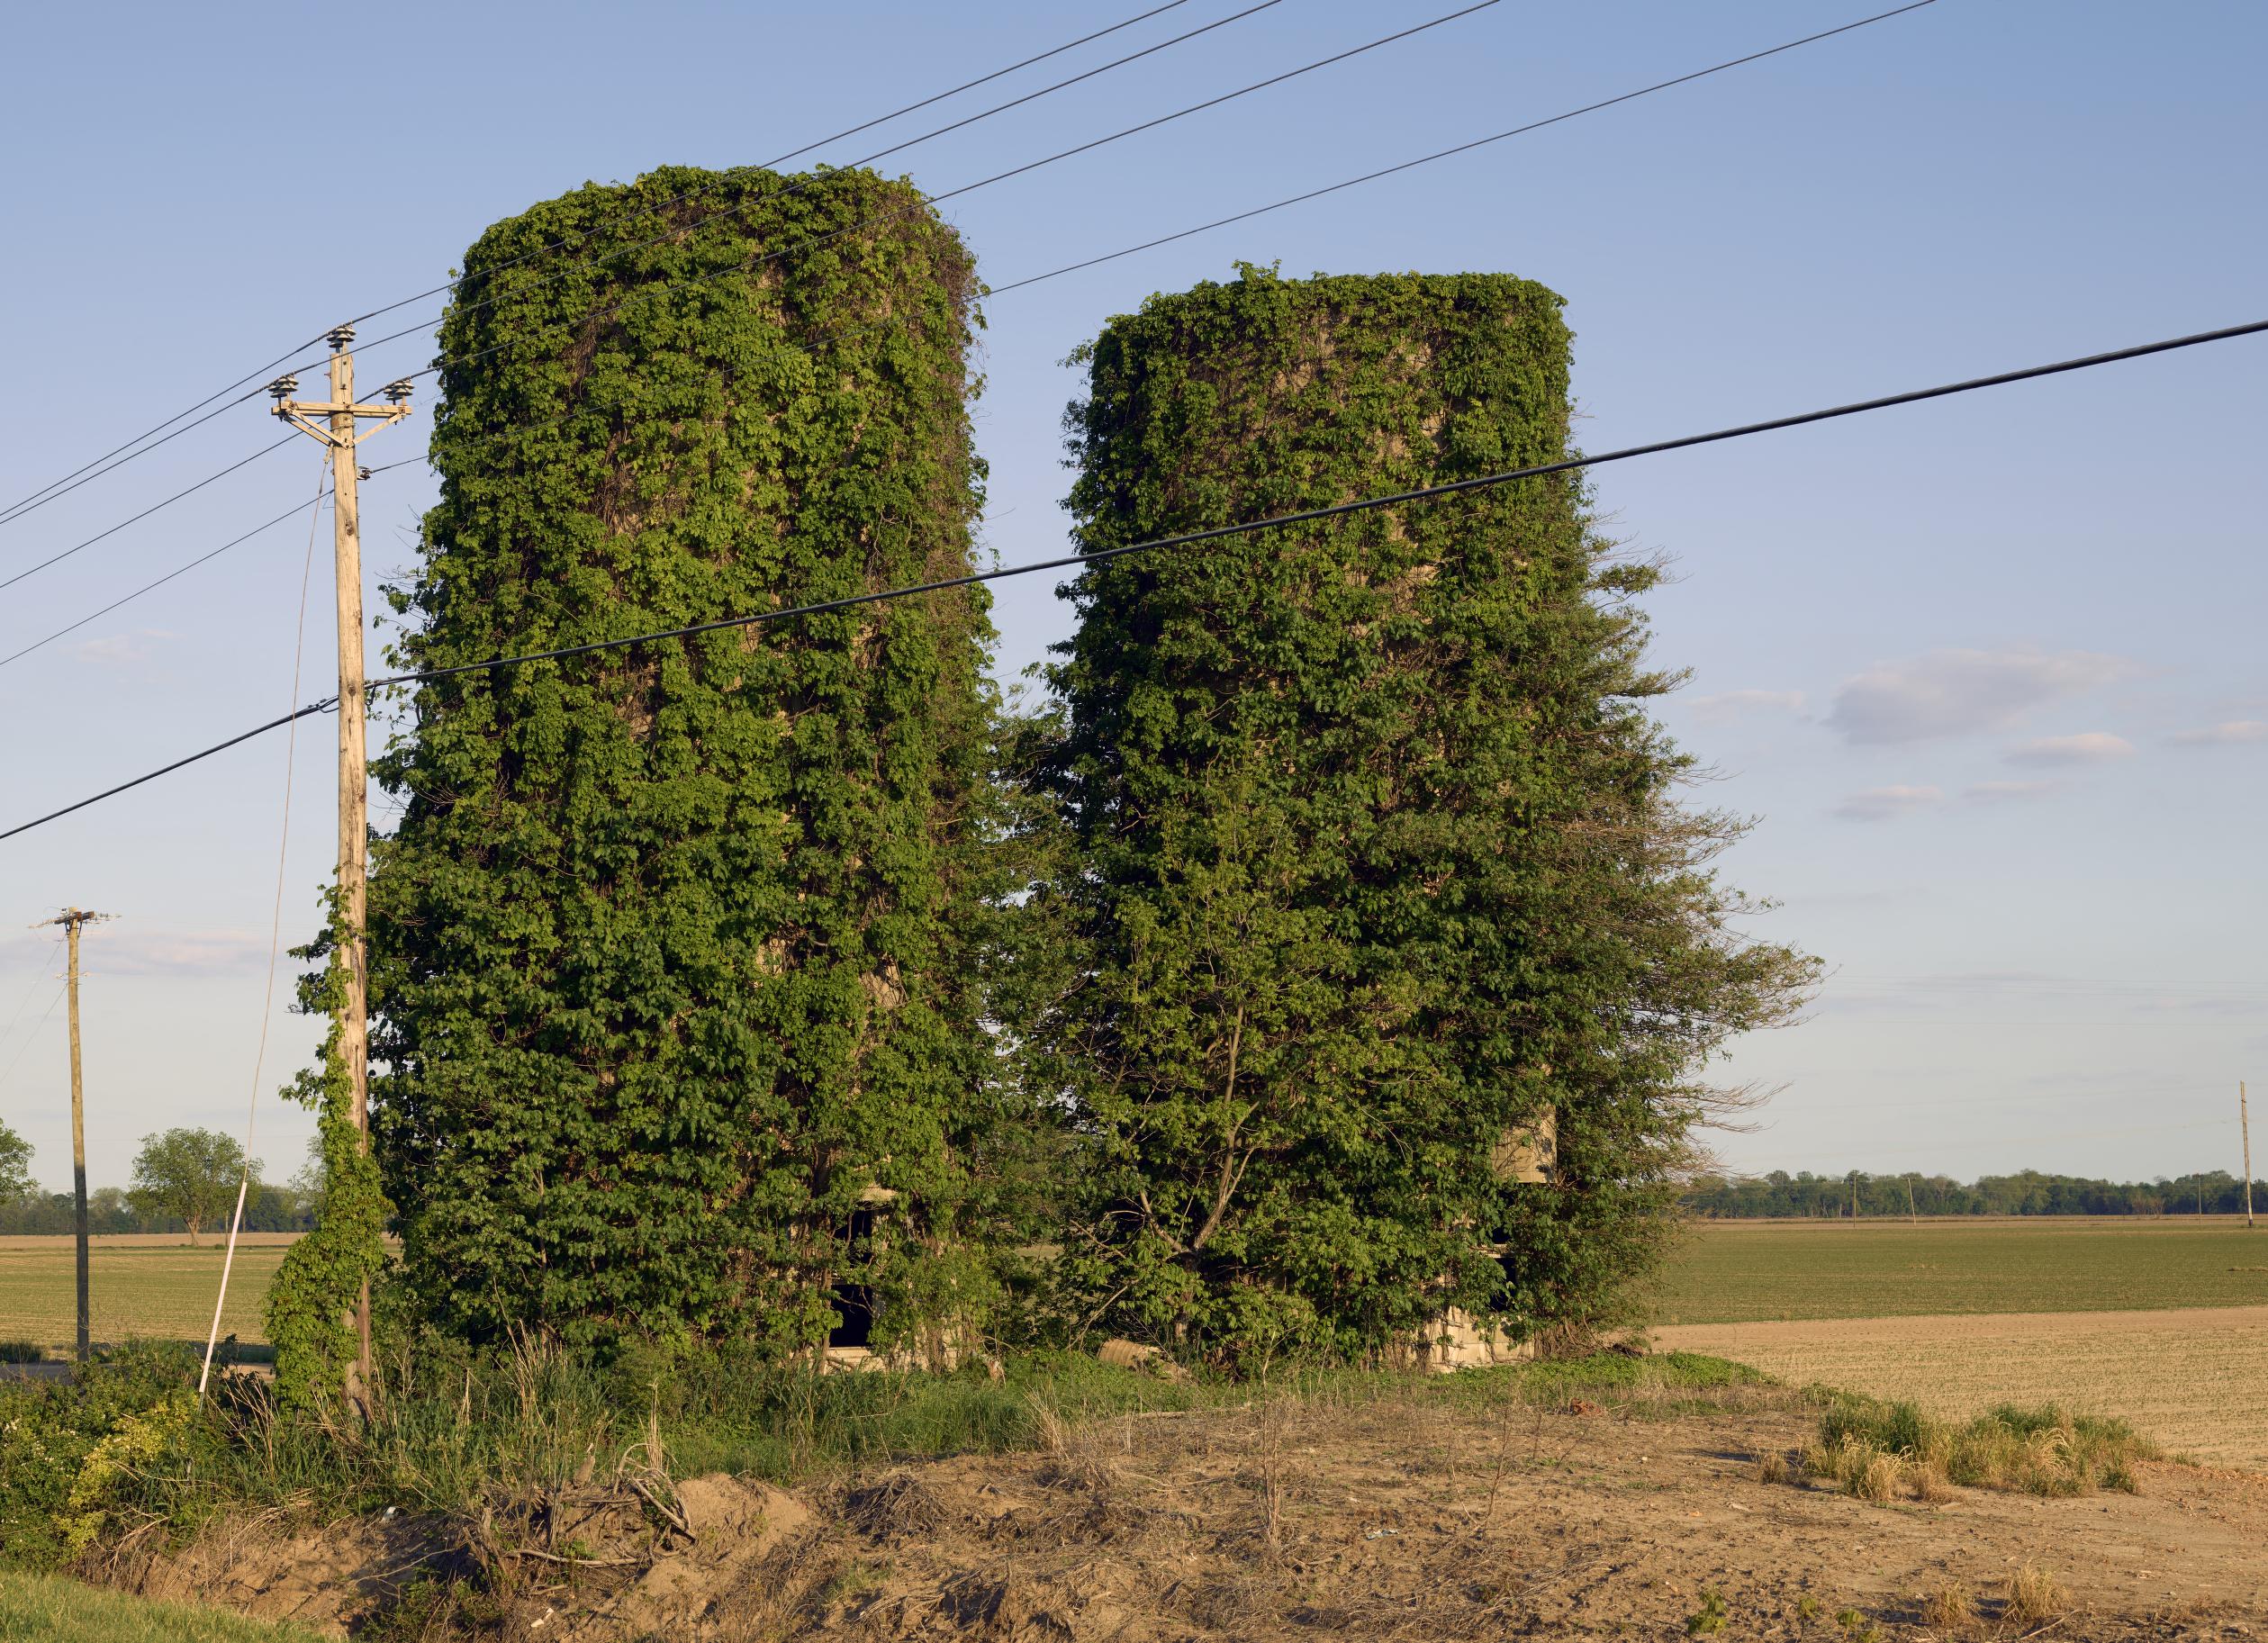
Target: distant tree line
<point>184,1181</point>
<point>2028,1192</point>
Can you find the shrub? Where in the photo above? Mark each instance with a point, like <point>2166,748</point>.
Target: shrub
<point>70,1449</point>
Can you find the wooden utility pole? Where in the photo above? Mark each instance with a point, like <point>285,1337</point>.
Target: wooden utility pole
<point>2244,1122</point>
<point>339,430</point>
<point>74,920</point>
<point>1912,1213</point>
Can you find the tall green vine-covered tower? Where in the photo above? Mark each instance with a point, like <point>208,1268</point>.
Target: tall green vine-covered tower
<point>671,945</point>
<point>1378,863</point>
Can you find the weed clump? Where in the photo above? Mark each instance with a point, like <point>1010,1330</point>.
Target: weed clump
<point>2034,1598</point>
<point>1881,1451</point>
<point>1950,1607</point>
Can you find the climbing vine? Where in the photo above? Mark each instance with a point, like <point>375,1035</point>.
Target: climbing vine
<point>673,947</point>
<point>1375,856</point>
<point>316,1286</point>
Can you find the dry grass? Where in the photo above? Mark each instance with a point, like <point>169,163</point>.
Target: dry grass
<point>1950,1609</point>
<point>2193,1379</point>
<point>2034,1598</point>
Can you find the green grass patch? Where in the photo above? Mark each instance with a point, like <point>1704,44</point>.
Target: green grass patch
<point>136,1291</point>
<point>1741,1273</point>
<point>55,1609</point>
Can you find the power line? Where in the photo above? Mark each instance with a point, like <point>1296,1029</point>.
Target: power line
<point>56,487</point>
<point>800,186</point>
<point>1187,538</point>
<point>1462,148</point>
<point>923,204</point>
<point>520,430</point>
<point>661,287</point>
<point>145,513</point>
<point>2011,1141</point>
<point>40,499</point>
<point>1361,505</point>
<point>447,286</point>
<point>289,513</point>
<point>23,1048</point>
<point>25,1001</point>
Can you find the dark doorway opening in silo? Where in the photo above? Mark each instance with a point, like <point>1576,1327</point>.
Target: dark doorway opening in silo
<point>855,1302</point>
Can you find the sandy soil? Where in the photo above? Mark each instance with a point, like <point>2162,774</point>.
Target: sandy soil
<point>1375,1521</point>
<point>2195,1379</point>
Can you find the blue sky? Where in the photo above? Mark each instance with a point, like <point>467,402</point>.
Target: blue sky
<point>1984,671</point>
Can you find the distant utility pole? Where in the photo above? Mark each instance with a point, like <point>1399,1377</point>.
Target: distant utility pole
<point>1912,1213</point>
<point>339,430</point>
<point>2244,1123</point>
<point>74,920</point>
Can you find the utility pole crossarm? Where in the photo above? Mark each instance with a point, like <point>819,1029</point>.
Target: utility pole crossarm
<point>297,412</point>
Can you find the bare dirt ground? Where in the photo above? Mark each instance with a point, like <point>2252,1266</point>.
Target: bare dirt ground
<point>1391,1519</point>
<point>2195,1379</point>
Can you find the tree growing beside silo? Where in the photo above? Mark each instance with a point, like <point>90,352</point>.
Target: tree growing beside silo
<point>1378,860</point>
<point>671,945</point>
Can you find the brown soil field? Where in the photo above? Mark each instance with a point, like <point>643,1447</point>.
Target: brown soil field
<point>2195,1378</point>
<point>1380,1519</point>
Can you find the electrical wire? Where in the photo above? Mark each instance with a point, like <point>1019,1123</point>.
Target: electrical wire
<point>290,513</point>
<point>59,489</point>
<point>744,206</point>
<point>24,1002</point>
<point>660,287</point>
<point>2010,1141</point>
<point>1462,148</point>
<point>25,504</point>
<point>520,430</point>
<point>51,559</point>
<point>22,1049</point>
<point>1186,539</point>
<point>447,286</point>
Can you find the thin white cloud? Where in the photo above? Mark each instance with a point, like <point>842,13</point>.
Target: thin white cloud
<point>1725,706</point>
<point>2225,734</point>
<point>119,949</point>
<point>2090,747</point>
<point>122,649</point>
<point>1960,692</point>
<point>1887,803</point>
<point>2003,792</point>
